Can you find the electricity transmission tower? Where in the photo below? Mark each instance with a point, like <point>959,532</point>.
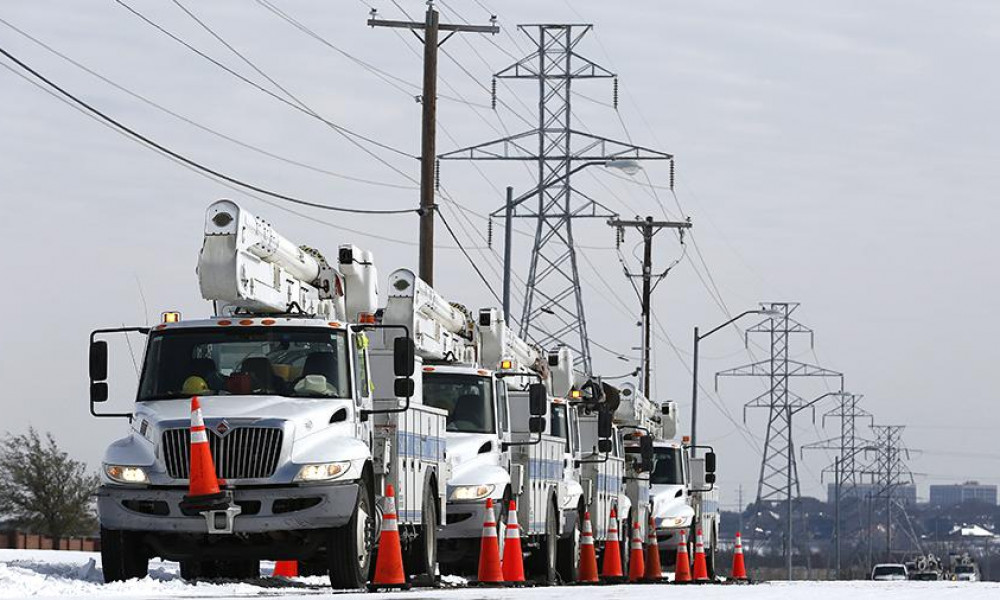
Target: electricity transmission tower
<point>779,478</point>
<point>553,310</point>
<point>889,471</point>
<point>847,466</point>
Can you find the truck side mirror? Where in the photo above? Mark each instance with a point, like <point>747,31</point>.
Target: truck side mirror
<point>536,425</point>
<point>710,478</point>
<point>403,387</point>
<point>98,391</point>
<point>646,452</point>
<point>403,357</point>
<point>604,430</point>
<point>537,400</point>
<point>99,361</point>
<point>710,464</point>
<point>605,445</point>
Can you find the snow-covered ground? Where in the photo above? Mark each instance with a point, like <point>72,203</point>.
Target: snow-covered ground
<point>48,574</point>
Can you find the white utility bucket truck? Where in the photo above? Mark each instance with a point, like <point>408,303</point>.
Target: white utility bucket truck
<point>302,440</point>
<point>681,488</point>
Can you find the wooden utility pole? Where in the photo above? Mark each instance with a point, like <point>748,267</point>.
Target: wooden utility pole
<point>431,27</point>
<point>648,228</point>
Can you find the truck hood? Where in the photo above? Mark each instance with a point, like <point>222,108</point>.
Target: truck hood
<point>308,413</point>
<point>474,459</point>
<point>669,502</point>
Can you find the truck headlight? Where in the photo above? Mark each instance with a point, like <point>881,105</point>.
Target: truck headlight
<point>673,522</point>
<point>323,471</point>
<point>472,492</point>
<point>126,474</point>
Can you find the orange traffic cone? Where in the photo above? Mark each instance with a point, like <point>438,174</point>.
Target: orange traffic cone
<point>489,549</point>
<point>654,572</point>
<point>700,568</point>
<point>203,485</point>
<point>389,561</point>
<point>286,568</point>
<point>513,559</point>
<point>636,561</point>
<point>739,567</point>
<point>587,573</point>
<point>682,572</point>
<point>612,568</point>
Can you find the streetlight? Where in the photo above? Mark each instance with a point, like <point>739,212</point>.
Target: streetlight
<point>694,371</point>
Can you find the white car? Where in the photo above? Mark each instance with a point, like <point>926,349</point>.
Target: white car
<point>966,573</point>
<point>889,572</point>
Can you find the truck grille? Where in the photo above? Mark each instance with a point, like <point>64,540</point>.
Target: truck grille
<point>243,453</point>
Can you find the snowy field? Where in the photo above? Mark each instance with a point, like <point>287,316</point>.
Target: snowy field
<point>47,574</point>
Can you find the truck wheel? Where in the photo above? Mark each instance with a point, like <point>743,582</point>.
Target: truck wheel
<point>123,555</point>
<point>422,553</point>
<point>349,547</point>
<point>568,558</point>
<point>544,558</point>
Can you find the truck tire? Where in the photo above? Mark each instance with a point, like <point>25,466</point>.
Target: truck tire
<point>349,547</point>
<point>123,555</point>
<point>421,556</point>
<point>192,570</point>
<point>568,559</point>
<point>544,558</point>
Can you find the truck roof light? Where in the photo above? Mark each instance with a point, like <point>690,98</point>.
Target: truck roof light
<point>366,318</point>
<point>686,439</point>
<point>172,316</point>
<point>333,324</point>
<point>224,322</point>
<point>428,369</point>
<point>506,365</point>
<point>576,394</point>
<point>267,322</point>
<point>246,322</point>
<point>483,372</point>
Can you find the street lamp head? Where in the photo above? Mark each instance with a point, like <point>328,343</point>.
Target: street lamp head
<point>625,165</point>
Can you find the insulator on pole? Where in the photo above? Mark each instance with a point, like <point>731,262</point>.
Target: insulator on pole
<point>671,174</point>
<point>437,174</point>
<point>493,94</point>
<point>489,233</point>
<point>614,96</point>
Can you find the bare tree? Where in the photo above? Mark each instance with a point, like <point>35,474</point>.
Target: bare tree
<point>44,490</point>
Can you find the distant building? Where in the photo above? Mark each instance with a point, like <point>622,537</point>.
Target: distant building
<point>949,495</point>
<point>906,494</point>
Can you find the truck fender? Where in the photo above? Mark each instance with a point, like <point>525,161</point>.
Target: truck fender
<point>132,449</point>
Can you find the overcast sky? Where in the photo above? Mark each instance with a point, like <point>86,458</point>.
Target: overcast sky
<point>841,154</point>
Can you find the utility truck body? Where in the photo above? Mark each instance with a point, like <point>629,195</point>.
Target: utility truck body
<point>303,442</point>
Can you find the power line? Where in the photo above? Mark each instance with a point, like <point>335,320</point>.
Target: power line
<point>348,134</point>
<point>475,267</point>
<point>182,158</point>
<point>196,124</point>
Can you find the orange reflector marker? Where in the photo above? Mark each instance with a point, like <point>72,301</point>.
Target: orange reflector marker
<point>246,322</point>
<point>686,439</point>
<point>160,326</point>
<point>267,322</point>
<point>366,318</point>
<point>428,369</point>
<point>483,372</point>
<point>333,324</point>
<point>225,323</point>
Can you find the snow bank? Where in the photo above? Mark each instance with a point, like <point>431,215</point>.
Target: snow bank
<point>50,574</point>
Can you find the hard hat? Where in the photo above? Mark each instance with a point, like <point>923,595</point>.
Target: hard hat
<point>194,385</point>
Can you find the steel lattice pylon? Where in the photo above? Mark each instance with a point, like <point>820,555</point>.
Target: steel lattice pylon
<point>849,447</point>
<point>553,310</point>
<point>779,479</point>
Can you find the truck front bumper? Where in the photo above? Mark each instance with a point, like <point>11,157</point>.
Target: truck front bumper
<point>264,509</point>
<point>464,520</point>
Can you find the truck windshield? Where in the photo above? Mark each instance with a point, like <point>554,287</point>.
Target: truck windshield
<point>467,398</point>
<point>667,467</point>
<point>247,361</point>
<point>882,570</point>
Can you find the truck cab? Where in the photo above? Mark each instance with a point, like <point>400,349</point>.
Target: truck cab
<point>292,418</point>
